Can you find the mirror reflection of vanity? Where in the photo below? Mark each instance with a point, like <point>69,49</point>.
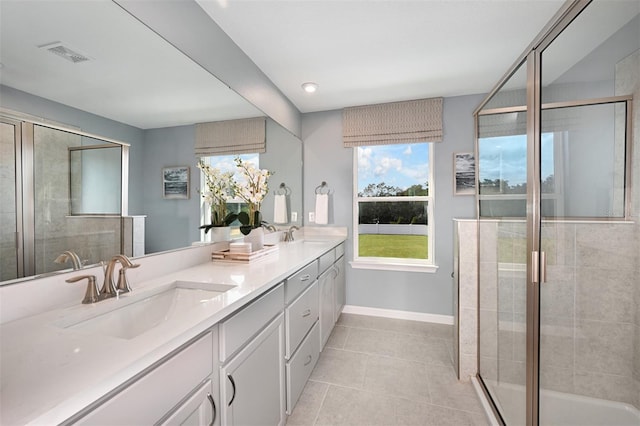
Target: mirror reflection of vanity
<point>134,90</point>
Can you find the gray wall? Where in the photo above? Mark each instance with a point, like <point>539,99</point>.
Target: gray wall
<point>325,159</point>
<point>170,223</point>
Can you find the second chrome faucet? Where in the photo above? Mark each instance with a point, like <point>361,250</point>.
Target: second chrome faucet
<point>109,288</point>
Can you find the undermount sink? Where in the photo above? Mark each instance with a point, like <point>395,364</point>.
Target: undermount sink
<point>136,314</point>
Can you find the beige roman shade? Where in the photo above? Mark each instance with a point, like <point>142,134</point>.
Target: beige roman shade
<point>391,123</point>
<point>242,136</point>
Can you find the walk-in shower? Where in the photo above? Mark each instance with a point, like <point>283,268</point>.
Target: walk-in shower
<point>63,190</point>
<point>558,157</point>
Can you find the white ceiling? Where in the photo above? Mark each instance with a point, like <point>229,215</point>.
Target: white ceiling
<point>361,52</point>
<point>358,51</point>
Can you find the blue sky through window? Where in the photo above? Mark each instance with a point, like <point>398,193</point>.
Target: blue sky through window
<point>400,165</point>
<point>505,158</point>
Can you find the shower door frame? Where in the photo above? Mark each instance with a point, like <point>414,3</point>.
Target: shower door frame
<point>535,267</point>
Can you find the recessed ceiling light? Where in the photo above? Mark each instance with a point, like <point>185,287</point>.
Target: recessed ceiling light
<point>310,87</point>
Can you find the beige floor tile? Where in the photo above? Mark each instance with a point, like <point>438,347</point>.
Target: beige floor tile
<point>352,407</point>
<point>371,341</point>
<point>423,349</point>
<point>380,371</point>
<point>397,378</point>
<point>308,406</point>
<point>445,390</point>
<point>338,337</point>
<point>412,413</point>
<point>340,367</point>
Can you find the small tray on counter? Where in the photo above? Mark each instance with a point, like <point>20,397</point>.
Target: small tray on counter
<point>244,257</point>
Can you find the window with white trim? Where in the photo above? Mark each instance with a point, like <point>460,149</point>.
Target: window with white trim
<point>393,206</point>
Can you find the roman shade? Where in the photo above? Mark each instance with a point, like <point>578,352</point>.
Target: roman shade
<point>247,135</point>
<point>393,123</point>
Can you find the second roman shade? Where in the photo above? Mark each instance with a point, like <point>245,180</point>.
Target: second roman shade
<point>393,123</point>
<point>247,135</point>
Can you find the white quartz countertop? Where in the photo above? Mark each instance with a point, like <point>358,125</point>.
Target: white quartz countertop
<point>49,373</point>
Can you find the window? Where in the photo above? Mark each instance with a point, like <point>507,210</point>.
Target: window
<point>393,207</point>
<point>226,163</point>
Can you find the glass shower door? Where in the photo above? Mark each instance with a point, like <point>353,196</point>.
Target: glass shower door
<point>502,207</point>
<point>10,261</point>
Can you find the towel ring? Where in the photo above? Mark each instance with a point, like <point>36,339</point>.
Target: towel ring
<point>322,187</point>
<point>282,190</point>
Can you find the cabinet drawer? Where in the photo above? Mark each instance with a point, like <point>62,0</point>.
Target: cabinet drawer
<point>238,329</point>
<point>299,317</point>
<point>297,282</point>
<point>339,251</point>
<point>147,400</point>
<point>326,260</point>
<point>299,368</point>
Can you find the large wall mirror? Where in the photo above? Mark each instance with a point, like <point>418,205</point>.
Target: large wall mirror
<point>93,67</point>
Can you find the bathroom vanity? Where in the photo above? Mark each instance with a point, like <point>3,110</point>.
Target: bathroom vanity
<point>231,343</point>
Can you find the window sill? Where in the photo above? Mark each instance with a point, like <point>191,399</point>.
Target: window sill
<point>393,266</point>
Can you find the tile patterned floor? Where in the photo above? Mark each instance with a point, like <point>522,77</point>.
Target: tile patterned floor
<point>379,371</point>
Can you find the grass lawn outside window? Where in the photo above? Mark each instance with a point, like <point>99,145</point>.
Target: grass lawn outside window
<point>393,246</point>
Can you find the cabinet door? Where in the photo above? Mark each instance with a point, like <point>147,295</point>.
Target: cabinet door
<point>252,382</point>
<point>199,409</point>
<point>327,305</point>
<point>151,397</point>
<point>340,288</point>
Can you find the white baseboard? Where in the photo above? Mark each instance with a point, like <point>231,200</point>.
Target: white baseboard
<point>405,315</point>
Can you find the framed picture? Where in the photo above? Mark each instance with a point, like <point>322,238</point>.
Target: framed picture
<point>175,182</point>
<point>464,165</point>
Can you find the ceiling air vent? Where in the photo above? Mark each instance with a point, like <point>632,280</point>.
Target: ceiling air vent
<point>58,48</point>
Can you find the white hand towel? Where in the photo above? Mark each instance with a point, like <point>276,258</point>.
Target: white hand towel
<point>280,209</point>
<point>322,209</point>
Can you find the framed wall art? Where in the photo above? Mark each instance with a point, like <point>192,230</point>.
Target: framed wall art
<point>464,166</point>
<point>175,182</point>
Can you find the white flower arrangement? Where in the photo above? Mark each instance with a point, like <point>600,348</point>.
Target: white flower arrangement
<point>251,189</point>
<point>219,186</point>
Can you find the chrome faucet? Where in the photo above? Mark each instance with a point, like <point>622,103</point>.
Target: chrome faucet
<point>269,227</point>
<point>92,295</point>
<point>109,289</point>
<point>69,255</point>
<point>288,236</point>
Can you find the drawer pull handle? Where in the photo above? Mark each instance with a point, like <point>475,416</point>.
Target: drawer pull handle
<point>306,313</point>
<point>213,407</point>
<point>305,277</point>
<point>308,361</point>
<point>233,384</point>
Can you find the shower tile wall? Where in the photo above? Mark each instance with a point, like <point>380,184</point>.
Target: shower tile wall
<point>588,310</point>
<point>467,315</point>
<point>589,321</point>
<point>57,231</point>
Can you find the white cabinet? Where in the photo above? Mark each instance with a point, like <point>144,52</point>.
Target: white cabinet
<point>252,382</point>
<point>339,287</point>
<point>327,305</point>
<point>200,408</point>
<point>162,390</point>
<point>300,317</point>
<point>300,366</point>
<point>301,329</point>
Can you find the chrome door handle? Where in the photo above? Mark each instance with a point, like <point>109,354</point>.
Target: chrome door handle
<point>233,384</point>
<point>213,408</point>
